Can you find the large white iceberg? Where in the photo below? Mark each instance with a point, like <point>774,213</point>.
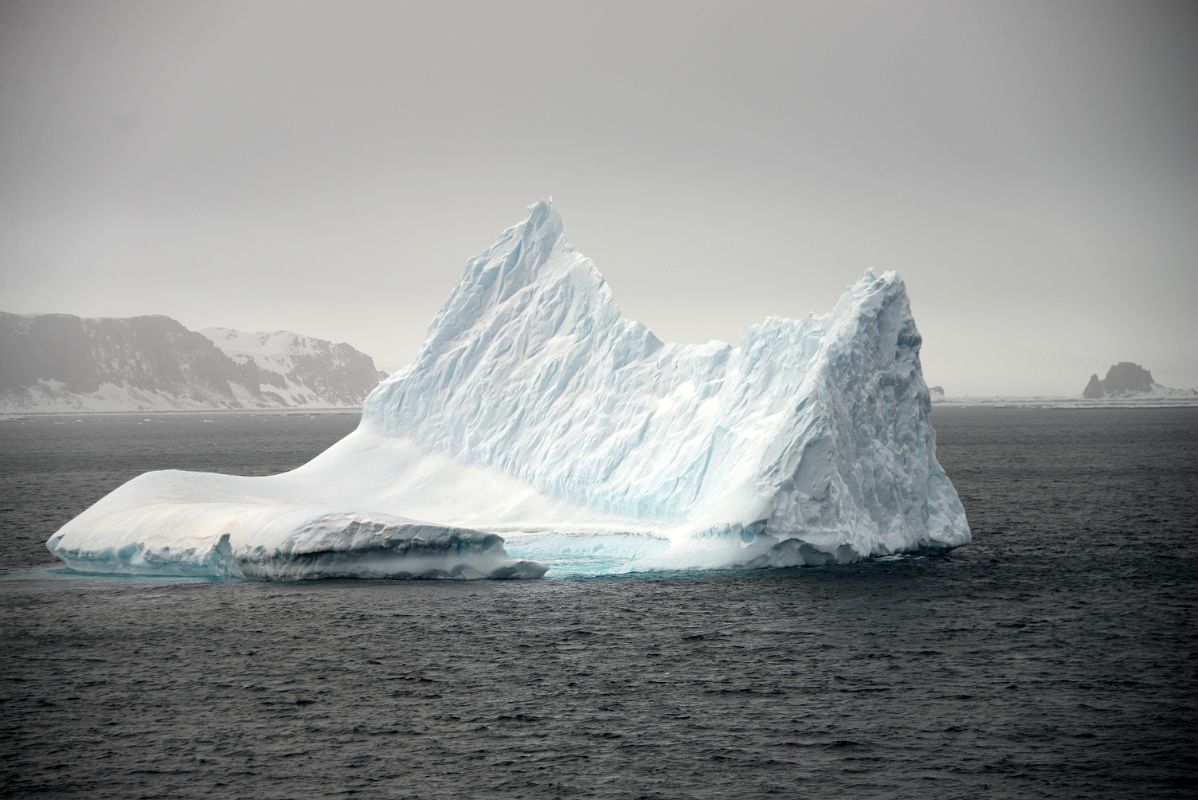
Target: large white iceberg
<point>537,414</point>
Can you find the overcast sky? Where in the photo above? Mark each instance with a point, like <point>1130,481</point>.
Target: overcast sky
<point>1030,168</point>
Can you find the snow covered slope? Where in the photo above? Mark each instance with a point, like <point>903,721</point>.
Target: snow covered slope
<point>298,371</point>
<point>59,362</point>
<point>537,412</point>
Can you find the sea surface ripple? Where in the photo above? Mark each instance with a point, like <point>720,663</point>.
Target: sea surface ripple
<point>1057,656</point>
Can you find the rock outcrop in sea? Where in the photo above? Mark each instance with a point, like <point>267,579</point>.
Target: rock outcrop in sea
<point>1125,381</point>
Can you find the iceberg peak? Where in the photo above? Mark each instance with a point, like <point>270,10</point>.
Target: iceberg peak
<point>531,266</point>
<point>543,216</point>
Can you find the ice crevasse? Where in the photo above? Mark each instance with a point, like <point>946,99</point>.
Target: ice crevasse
<point>538,427</point>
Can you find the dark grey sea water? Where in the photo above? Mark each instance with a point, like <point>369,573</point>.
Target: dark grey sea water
<point>1055,657</point>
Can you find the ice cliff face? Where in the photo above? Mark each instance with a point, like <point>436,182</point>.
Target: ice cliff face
<point>59,362</point>
<point>536,411</point>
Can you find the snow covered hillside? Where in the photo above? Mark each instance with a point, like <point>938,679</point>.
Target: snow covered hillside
<point>298,370</point>
<point>63,363</point>
<point>536,412</point>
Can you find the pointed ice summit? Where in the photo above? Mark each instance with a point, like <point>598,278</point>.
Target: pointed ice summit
<point>537,414</point>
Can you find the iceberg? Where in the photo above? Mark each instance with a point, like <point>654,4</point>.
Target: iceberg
<point>540,427</point>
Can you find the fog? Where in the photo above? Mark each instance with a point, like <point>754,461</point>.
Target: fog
<point>1031,169</point>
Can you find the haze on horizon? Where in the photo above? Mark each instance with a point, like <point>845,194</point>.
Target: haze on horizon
<point>1031,169</point>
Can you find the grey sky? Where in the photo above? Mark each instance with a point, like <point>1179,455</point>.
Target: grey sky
<point>1031,168</point>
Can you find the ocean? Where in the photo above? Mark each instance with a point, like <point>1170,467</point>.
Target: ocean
<point>1056,656</point>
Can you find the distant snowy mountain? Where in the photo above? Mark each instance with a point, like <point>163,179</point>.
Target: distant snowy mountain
<point>300,370</point>
<point>1128,381</point>
<point>64,363</point>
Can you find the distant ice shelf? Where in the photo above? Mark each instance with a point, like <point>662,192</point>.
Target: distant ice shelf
<point>537,414</point>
